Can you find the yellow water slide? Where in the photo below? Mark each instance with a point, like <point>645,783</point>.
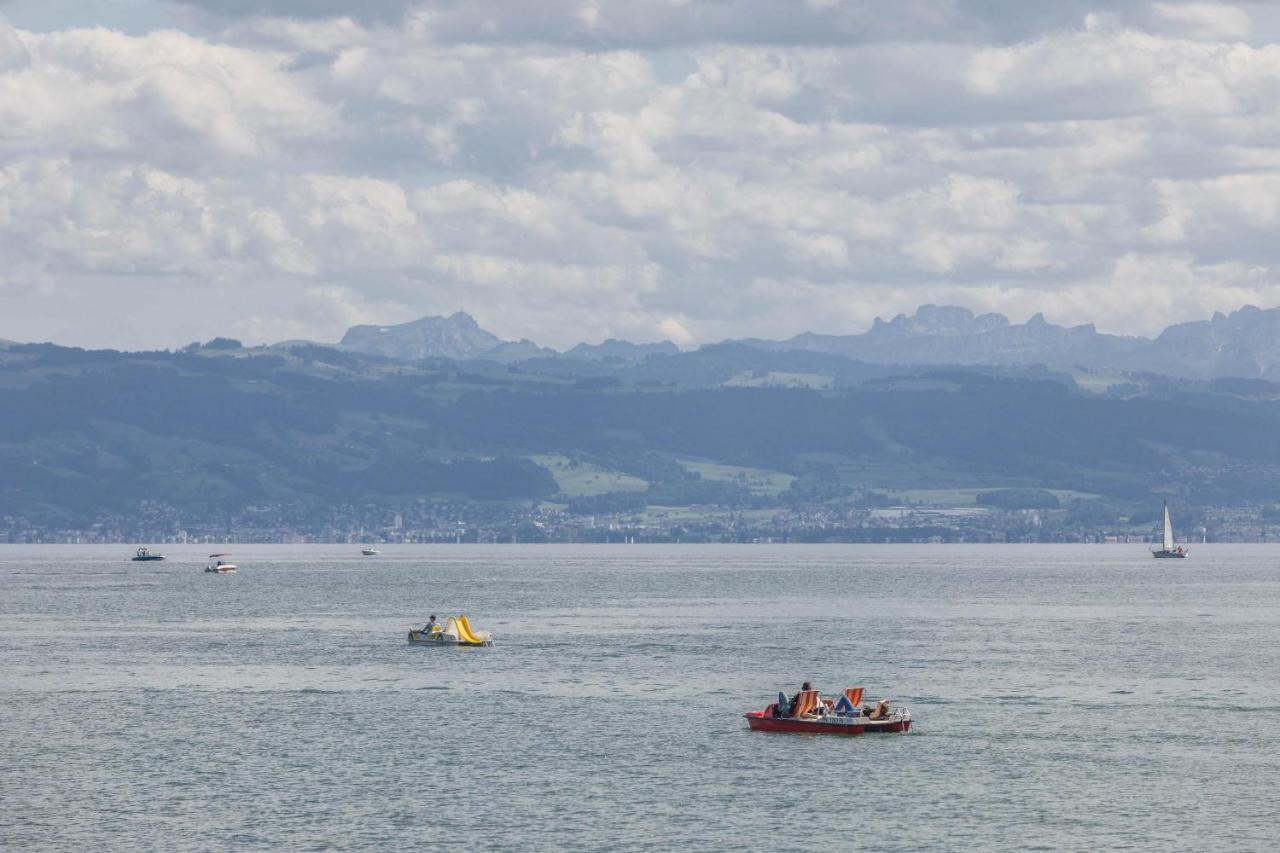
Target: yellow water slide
<point>464,631</point>
<point>459,628</point>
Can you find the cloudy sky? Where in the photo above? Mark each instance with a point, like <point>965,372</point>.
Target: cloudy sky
<point>572,170</point>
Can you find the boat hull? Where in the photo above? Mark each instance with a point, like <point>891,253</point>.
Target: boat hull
<point>415,642</point>
<point>1169,555</point>
<point>146,559</point>
<point>415,639</point>
<point>222,571</point>
<point>759,721</point>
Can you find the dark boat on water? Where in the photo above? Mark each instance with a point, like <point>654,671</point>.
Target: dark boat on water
<point>144,555</point>
<point>1167,549</point>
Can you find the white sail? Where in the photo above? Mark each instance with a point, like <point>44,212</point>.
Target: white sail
<point>1168,529</point>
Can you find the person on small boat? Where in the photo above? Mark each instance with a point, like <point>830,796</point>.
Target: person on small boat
<point>795,700</point>
<point>431,627</point>
<point>785,707</point>
<point>879,712</point>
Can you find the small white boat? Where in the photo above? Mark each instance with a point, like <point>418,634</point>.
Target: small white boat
<point>220,566</point>
<point>370,552</point>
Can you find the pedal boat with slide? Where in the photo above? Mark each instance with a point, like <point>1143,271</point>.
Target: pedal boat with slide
<point>457,631</point>
<point>809,713</point>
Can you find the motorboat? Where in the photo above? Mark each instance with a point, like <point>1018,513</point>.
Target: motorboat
<point>144,555</point>
<point>809,713</point>
<point>1167,549</point>
<point>457,631</point>
<point>220,566</point>
<point>370,552</point>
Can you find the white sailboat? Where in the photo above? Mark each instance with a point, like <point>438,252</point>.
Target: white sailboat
<point>1167,548</point>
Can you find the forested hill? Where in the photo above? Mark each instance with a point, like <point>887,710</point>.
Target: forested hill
<point>220,429</point>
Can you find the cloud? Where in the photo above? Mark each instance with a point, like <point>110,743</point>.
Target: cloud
<point>607,24</point>
<point>580,171</point>
<point>1208,20</point>
<point>168,100</point>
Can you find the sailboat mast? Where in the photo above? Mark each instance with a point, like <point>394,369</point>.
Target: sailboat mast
<point>1168,529</point>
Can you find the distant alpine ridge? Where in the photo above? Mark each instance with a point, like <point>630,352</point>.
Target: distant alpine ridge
<point>459,337</point>
<point>1245,344</point>
<point>455,337</point>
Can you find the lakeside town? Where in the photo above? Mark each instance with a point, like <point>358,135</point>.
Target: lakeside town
<point>465,522</point>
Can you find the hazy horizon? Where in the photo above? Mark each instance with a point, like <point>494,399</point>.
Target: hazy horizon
<point>597,340</point>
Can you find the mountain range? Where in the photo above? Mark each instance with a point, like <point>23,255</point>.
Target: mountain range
<point>292,433</point>
<point>1243,344</point>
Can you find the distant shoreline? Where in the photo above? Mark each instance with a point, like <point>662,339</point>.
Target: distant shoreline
<point>191,549</point>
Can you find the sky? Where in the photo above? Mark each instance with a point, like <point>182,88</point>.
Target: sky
<point>573,170</point>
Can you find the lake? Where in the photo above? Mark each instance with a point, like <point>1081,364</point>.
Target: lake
<point>1065,697</point>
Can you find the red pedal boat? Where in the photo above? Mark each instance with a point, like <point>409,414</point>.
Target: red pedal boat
<point>810,714</point>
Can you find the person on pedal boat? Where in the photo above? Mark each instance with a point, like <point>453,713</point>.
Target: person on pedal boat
<point>879,712</point>
<point>785,707</point>
<point>795,700</point>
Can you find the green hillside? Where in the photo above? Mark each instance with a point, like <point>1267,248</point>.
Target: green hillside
<point>219,430</point>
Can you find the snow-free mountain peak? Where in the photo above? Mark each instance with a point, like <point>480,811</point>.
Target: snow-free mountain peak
<point>457,336</point>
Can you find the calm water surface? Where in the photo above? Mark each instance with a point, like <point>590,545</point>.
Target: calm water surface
<point>1066,697</point>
